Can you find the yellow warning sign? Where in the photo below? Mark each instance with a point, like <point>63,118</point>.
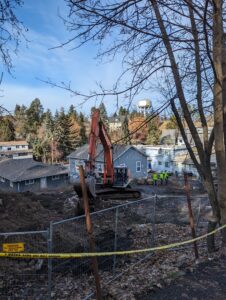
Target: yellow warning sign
<point>13,247</point>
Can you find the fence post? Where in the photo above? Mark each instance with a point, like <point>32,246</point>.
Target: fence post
<point>50,249</point>
<point>115,240</point>
<point>153,222</point>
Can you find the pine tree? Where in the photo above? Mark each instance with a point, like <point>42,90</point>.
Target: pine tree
<point>72,112</point>
<point>82,133</point>
<point>122,111</point>
<point>37,147</point>
<point>125,130</point>
<point>34,116</point>
<point>154,133</point>
<point>65,137</point>
<point>48,120</point>
<point>103,115</point>
<point>20,121</point>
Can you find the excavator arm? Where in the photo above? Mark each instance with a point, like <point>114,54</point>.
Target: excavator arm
<point>115,179</point>
<point>98,131</point>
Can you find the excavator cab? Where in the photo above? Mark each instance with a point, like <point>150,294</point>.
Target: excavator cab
<point>120,176</point>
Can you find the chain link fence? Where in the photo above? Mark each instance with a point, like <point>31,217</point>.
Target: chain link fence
<point>140,224</point>
<point>25,278</point>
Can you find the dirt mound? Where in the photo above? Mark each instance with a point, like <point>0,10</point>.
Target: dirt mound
<point>29,211</point>
<point>21,212</point>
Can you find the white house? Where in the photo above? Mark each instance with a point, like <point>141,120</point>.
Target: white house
<point>15,149</point>
<point>170,158</point>
<point>180,140</point>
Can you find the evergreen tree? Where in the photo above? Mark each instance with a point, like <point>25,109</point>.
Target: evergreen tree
<point>56,116</point>
<point>154,133</point>
<point>17,110</point>
<point>37,147</point>
<point>122,111</point>
<point>48,121</point>
<point>72,112</point>
<point>20,121</point>
<point>64,135</point>
<point>103,115</point>
<point>82,133</point>
<point>125,130</point>
<point>34,116</point>
<point>7,129</point>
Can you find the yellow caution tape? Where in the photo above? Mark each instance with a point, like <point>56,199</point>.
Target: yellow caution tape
<point>92,254</point>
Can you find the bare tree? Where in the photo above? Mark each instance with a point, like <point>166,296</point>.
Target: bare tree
<point>11,31</point>
<point>177,43</point>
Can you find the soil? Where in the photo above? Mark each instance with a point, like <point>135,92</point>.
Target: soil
<point>28,211</point>
<point>206,282</point>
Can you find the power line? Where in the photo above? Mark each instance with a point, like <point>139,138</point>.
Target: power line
<point>145,122</point>
<point>148,119</point>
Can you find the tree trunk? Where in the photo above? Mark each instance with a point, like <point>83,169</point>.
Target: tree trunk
<point>218,109</point>
<point>214,219</point>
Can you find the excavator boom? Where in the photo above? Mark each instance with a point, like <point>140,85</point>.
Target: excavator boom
<point>115,179</point>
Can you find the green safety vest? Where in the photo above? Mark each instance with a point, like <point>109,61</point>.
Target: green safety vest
<point>161,176</point>
<point>155,176</point>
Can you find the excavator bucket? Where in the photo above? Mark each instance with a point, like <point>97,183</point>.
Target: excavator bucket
<point>90,185</point>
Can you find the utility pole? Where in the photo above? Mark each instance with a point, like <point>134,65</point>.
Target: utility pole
<point>89,229</point>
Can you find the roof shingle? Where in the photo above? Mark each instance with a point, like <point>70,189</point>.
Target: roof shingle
<point>24,169</point>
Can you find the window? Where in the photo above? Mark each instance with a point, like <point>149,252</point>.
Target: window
<point>167,164</point>
<point>55,177</point>
<point>9,148</point>
<point>17,146</point>
<point>30,181</point>
<point>138,166</point>
<point>159,163</point>
<point>23,146</point>
<point>0,147</point>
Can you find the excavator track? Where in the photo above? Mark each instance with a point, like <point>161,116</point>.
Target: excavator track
<point>117,194</point>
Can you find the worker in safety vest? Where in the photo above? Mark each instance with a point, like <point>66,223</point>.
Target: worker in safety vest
<point>162,177</point>
<point>166,176</point>
<point>155,178</point>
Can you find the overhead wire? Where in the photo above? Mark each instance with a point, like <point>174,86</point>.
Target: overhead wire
<point>144,123</point>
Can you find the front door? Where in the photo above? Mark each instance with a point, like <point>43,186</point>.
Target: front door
<point>43,183</point>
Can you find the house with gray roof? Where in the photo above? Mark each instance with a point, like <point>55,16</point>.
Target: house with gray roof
<point>123,155</point>
<point>20,175</point>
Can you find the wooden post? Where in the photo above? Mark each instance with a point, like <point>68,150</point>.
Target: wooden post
<point>191,218</point>
<point>89,229</point>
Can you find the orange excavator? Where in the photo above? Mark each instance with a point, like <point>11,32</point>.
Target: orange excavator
<point>113,182</point>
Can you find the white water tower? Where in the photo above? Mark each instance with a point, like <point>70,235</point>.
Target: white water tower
<point>144,106</point>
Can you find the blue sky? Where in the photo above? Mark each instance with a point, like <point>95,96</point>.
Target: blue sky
<point>34,60</point>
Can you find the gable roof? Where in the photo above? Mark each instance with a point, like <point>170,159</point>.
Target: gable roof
<point>82,152</point>
<point>24,169</point>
